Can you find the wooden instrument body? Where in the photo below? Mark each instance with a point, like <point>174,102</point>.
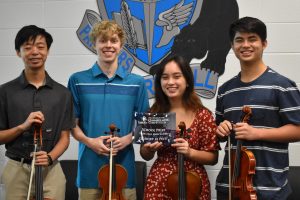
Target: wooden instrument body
<point>242,167</point>
<point>192,187</point>
<point>188,182</point>
<point>112,177</point>
<point>242,188</point>
<point>120,183</point>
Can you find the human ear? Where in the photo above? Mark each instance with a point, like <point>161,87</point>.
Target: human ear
<point>18,54</point>
<point>265,44</point>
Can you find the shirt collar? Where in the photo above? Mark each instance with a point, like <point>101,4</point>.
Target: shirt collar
<point>24,82</point>
<point>96,71</point>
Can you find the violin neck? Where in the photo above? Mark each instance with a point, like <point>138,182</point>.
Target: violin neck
<point>112,173</point>
<point>113,168</point>
<point>38,180</point>
<point>237,161</point>
<point>181,178</point>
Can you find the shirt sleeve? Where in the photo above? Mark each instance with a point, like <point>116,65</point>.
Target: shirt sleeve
<point>219,111</point>
<point>142,104</point>
<point>3,111</point>
<point>207,131</point>
<point>75,95</point>
<point>69,118</point>
<point>289,103</point>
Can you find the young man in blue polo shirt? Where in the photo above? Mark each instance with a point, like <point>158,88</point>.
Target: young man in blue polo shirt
<point>275,120</point>
<point>106,94</point>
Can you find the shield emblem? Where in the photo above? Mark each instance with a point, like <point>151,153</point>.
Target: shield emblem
<point>150,25</point>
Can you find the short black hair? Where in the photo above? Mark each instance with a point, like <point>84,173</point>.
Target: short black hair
<point>248,25</point>
<point>31,32</point>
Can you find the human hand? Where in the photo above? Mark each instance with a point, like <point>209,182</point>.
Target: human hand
<point>152,147</point>
<point>120,143</point>
<point>98,145</point>
<point>244,131</point>
<point>224,129</point>
<point>33,117</point>
<point>182,146</point>
<point>41,158</point>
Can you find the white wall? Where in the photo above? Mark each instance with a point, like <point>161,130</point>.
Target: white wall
<point>62,18</point>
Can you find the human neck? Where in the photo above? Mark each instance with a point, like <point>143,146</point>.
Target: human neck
<point>251,71</point>
<point>35,77</point>
<point>176,104</point>
<point>182,114</point>
<point>108,68</point>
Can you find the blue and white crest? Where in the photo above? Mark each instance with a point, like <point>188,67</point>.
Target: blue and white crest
<point>150,25</point>
<point>158,29</point>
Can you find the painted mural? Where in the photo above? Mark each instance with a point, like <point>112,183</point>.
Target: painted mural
<point>156,29</point>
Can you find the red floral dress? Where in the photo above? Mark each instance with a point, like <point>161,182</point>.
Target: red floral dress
<point>202,137</point>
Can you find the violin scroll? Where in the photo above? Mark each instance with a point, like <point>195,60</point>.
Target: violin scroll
<point>183,130</point>
<point>247,113</point>
<point>113,128</point>
<point>182,126</point>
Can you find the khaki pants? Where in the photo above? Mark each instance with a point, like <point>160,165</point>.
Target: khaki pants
<point>95,194</point>
<point>16,176</point>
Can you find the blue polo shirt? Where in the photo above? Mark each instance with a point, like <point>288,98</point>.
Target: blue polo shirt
<point>100,101</point>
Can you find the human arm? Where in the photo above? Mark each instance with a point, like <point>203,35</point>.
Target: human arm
<point>148,150</point>
<point>9,135</point>
<point>224,126</point>
<point>96,144</point>
<point>56,152</point>
<point>286,133</point>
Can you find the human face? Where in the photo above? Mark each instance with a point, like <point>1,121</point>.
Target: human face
<point>108,49</point>
<point>34,53</point>
<point>248,47</point>
<point>172,81</point>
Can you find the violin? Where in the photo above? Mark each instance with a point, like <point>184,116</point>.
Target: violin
<point>113,177</point>
<point>241,167</point>
<point>188,183</point>
<point>37,169</point>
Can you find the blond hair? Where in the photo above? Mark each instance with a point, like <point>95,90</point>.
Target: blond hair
<point>106,29</point>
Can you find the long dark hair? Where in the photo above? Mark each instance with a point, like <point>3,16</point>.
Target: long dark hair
<point>190,99</point>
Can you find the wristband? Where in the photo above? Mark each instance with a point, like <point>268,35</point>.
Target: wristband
<point>50,161</point>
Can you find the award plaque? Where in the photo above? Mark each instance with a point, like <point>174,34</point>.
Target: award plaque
<point>152,127</point>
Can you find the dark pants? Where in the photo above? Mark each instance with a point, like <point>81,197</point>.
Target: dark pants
<point>222,196</point>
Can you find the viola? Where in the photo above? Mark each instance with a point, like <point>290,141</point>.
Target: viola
<point>37,169</point>
<point>113,177</point>
<point>188,182</point>
<point>241,167</point>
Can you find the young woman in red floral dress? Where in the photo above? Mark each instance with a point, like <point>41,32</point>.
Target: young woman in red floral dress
<point>174,86</point>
